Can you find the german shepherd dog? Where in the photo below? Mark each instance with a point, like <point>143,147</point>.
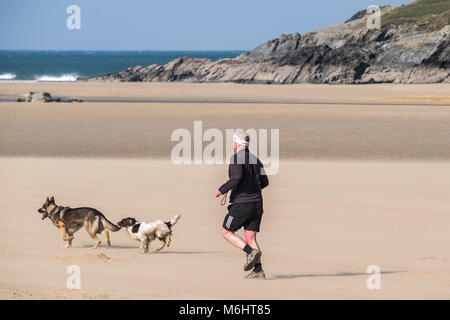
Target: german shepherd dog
<point>70,220</point>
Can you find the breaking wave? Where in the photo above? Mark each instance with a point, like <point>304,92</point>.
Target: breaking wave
<point>7,76</point>
<point>62,78</point>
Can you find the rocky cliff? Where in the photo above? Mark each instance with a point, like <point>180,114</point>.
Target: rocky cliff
<point>410,47</point>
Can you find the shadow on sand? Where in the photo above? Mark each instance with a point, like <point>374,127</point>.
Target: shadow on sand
<point>136,248</point>
<point>180,252</point>
<point>313,275</point>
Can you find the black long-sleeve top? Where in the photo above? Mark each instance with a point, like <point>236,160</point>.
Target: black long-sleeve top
<point>246,178</point>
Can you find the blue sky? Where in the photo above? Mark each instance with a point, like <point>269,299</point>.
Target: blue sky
<point>166,24</point>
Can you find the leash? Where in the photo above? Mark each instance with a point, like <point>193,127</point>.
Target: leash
<point>224,199</point>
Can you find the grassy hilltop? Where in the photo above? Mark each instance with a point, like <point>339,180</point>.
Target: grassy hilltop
<point>429,15</point>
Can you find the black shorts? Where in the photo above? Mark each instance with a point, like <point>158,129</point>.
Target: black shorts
<point>245,214</point>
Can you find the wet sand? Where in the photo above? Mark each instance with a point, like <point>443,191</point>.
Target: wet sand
<point>143,130</point>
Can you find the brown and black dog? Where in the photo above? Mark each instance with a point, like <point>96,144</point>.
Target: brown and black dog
<point>70,220</point>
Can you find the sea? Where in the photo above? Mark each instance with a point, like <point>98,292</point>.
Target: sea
<point>67,66</point>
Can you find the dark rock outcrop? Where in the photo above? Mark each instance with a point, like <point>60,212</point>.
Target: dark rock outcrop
<point>362,13</point>
<point>348,53</point>
<point>38,96</point>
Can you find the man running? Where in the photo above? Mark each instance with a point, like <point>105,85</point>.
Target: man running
<point>246,179</point>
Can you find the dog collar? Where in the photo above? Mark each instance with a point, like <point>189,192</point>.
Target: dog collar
<point>52,213</point>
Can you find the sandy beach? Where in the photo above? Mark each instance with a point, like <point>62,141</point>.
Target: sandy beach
<point>329,122</point>
<point>363,180</point>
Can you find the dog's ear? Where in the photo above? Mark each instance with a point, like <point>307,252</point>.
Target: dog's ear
<point>52,200</point>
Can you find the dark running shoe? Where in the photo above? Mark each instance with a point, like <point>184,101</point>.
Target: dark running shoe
<point>251,259</point>
<point>256,275</point>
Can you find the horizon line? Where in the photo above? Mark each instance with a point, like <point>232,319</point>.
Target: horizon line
<point>155,50</point>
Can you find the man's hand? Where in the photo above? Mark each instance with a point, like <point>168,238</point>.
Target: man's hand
<point>217,193</point>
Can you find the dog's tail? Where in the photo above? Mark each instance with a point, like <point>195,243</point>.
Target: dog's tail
<point>173,221</point>
<point>109,225</point>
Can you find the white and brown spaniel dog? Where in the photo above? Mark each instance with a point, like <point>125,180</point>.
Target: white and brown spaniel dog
<point>146,232</point>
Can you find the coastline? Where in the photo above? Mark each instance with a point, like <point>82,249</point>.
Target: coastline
<point>112,154</point>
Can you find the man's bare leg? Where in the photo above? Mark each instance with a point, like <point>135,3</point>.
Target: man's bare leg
<point>250,238</point>
<point>257,273</point>
<point>253,254</point>
<point>232,238</point>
